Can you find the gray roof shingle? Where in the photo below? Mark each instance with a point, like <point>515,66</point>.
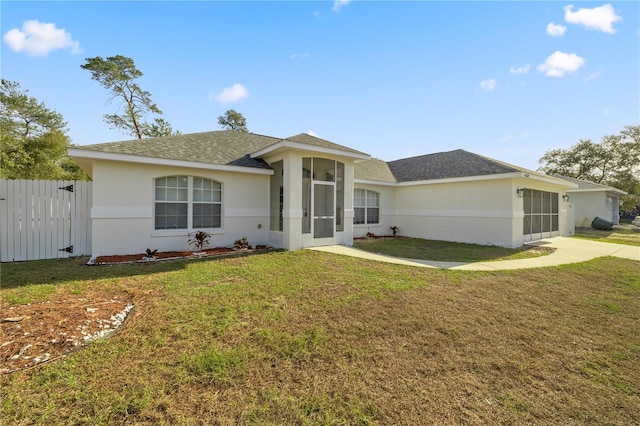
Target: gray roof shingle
<point>373,169</point>
<point>444,165</point>
<point>223,147</point>
<point>307,139</point>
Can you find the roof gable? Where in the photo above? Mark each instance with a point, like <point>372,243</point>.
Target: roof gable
<point>307,139</point>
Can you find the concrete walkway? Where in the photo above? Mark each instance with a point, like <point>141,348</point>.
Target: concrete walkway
<point>568,250</point>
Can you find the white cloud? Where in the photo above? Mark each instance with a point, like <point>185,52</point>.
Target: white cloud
<point>520,70</point>
<point>606,111</point>
<point>488,85</point>
<point>556,30</point>
<point>599,18</point>
<point>39,38</point>
<point>299,55</point>
<point>506,138</point>
<point>312,133</point>
<point>559,63</point>
<point>231,94</point>
<point>339,4</point>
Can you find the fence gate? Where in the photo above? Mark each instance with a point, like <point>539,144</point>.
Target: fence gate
<point>44,219</point>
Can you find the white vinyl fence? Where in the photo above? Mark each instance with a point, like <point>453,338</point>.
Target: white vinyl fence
<point>42,219</point>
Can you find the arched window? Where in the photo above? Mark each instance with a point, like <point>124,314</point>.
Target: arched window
<point>366,206</point>
<point>187,202</point>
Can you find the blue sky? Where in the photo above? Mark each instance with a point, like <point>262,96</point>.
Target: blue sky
<point>508,80</point>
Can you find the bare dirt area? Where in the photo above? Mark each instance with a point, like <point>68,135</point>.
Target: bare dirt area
<point>36,333</point>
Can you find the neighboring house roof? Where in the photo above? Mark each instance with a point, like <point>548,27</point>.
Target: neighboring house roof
<point>458,164</point>
<point>586,186</point>
<point>223,147</point>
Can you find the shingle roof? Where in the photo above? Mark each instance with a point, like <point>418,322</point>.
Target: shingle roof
<point>444,165</point>
<point>373,169</point>
<point>315,141</point>
<point>584,185</point>
<point>223,147</point>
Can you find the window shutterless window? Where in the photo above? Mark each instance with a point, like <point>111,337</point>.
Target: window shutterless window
<point>366,206</point>
<point>187,202</point>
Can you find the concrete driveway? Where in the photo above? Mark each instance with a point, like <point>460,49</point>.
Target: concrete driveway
<point>568,250</point>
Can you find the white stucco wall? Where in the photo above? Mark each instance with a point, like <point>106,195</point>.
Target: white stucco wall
<point>480,212</point>
<point>123,203</point>
<point>485,212</point>
<point>592,204</point>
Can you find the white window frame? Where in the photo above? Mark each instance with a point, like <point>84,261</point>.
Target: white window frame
<point>366,207</point>
<point>189,202</point>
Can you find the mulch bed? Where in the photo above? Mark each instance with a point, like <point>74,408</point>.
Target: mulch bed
<point>166,255</point>
<point>37,333</point>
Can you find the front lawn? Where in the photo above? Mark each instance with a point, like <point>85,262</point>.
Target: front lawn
<point>445,251</point>
<point>621,234</point>
<point>314,338</point>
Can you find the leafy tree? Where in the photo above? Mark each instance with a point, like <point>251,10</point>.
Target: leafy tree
<point>33,140</point>
<point>615,161</point>
<point>160,127</point>
<point>233,120</point>
<point>118,74</point>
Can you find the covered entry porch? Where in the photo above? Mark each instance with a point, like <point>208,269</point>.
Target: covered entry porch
<point>311,201</point>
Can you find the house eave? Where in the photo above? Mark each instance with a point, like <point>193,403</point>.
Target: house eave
<point>128,158</point>
<point>285,145</point>
<point>611,190</point>
<point>374,182</point>
<point>460,179</point>
<point>550,179</point>
<point>513,175</point>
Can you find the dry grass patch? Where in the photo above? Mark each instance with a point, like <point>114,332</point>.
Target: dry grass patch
<point>621,234</point>
<point>312,338</point>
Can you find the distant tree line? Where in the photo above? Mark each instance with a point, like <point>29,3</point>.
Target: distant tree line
<point>614,161</point>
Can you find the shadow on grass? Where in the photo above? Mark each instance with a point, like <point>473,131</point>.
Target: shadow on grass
<point>54,271</point>
<point>445,251</point>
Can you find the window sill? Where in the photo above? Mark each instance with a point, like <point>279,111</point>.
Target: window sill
<point>184,232</point>
<point>365,225</point>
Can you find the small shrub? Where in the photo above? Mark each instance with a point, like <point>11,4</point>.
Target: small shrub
<point>241,243</point>
<point>371,235</point>
<point>395,230</point>
<point>151,253</point>
<point>199,240</point>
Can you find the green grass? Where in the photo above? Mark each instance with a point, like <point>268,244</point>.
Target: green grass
<point>314,338</point>
<point>444,251</point>
<point>627,234</point>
